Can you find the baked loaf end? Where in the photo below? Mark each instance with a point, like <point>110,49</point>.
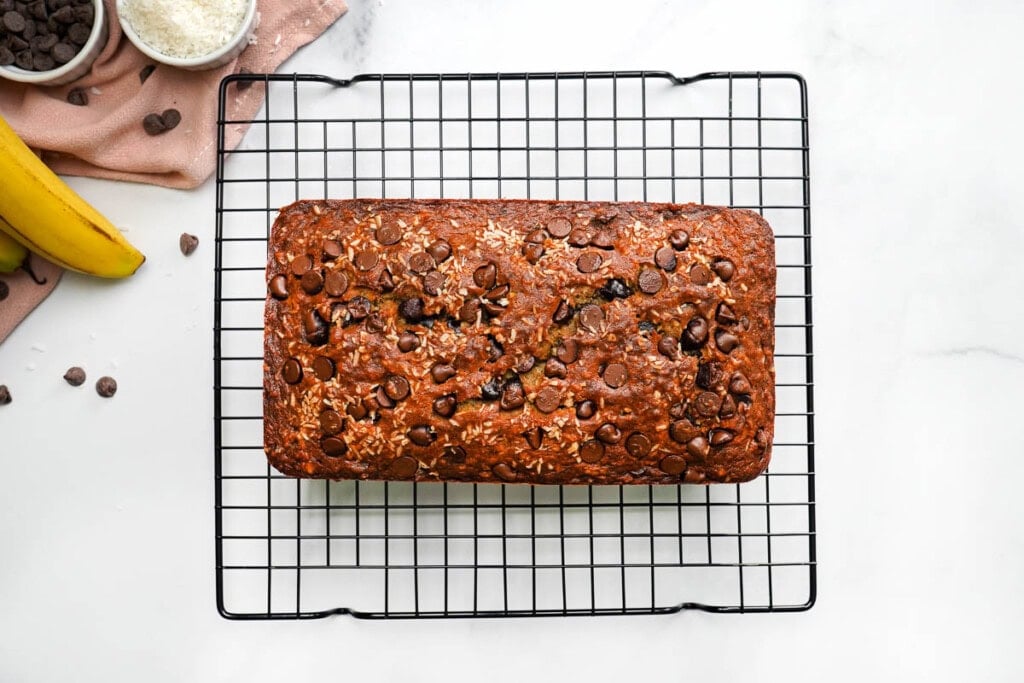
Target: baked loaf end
<point>519,341</point>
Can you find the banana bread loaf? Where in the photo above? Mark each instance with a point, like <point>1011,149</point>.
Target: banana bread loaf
<point>519,341</point>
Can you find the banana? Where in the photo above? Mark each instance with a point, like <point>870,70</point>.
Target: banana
<point>12,254</point>
<point>42,213</point>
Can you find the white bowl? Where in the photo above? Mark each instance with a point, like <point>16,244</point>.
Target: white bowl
<point>234,47</point>
<point>77,67</point>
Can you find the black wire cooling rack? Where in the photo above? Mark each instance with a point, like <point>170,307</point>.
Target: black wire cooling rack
<point>302,549</point>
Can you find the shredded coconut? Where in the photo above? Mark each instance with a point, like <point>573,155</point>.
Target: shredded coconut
<point>185,28</point>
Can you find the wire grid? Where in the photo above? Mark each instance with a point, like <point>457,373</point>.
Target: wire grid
<point>290,548</point>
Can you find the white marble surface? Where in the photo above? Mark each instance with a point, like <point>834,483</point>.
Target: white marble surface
<point>106,539</point>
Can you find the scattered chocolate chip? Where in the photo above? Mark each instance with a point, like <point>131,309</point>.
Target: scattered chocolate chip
<point>738,384</point>
<point>525,364</point>
<point>455,454</point>
<point>513,396</point>
<point>498,293</point>
<point>728,408</point>
<point>681,430</point>
<point>603,239</point>
<point>312,282</point>
<point>679,240</point>
<point>323,368</point>
<point>153,124</point>
<point>504,472</point>
<point>106,386</point>
<point>588,262</point>
<point>357,410</point>
<point>334,447</point>
<point>726,341</point>
<point>650,282</point>
<point>5,395</point>
<point>537,236</point>
<point>707,404</point>
<point>533,252</point>
<point>548,399</point>
<point>555,368</point>
<point>615,375</point>
<point>422,435</point>
<point>614,289</point>
<point>485,276</point>
<point>568,351</point>
<point>442,372</point>
<point>699,274</point>
<point>638,445</point>
<point>491,391</point>
<point>724,268</point>
<point>330,250</point>
<point>563,313</point>
<point>469,311</point>
<point>411,310</point>
<point>591,316</point>
<point>385,282</point>
<point>698,447</point>
<point>433,282</point>
<point>75,376</point>
<point>78,97</point>
<point>445,405</point>
<point>668,345</point>
<point>301,264</point>
<point>673,464</point>
<point>421,262</point>
<point>144,73</point>
<point>708,375</point>
<point>389,234</point>
<point>559,227</point>
<point>315,328</point>
<point>492,309</point>
<point>383,400</point>
<point>171,119</point>
<point>579,238</point>
<point>291,371</point>
<point>534,437</point>
<point>586,409</point>
<point>336,283</point>
<point>404,467</point>
<point>677,411</point>
<point>665,259</point>
<point>366,260</point>
<point>725,315</point>
<point>278,287</point>
<point>609,434</point>
<point>720,437</point>
<point>331,422</point>
<point>359,307</point>
<point>440,250</point>
<point>396,387</point>
<point>591,451</point>
<point>695,335</point>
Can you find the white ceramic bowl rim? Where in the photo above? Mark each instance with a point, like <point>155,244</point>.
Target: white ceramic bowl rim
<point>15,73</point>
<point>185,62</point>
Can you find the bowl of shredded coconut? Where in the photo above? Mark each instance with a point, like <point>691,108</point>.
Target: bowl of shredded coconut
<point>189,34</point>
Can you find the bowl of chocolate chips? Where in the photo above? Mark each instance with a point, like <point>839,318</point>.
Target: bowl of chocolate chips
<point>50,42</point>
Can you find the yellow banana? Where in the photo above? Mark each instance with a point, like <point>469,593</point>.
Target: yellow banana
<point>12,254</point>
<point>41,212</point>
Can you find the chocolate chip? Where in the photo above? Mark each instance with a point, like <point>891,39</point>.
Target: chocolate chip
<point>78,33</point>
<point>153,124</point>
<point>725,315</point>
<point>278,287</point>
<point>7,57</point>
<point>673,464</point>
<point>404,467</point>
<point>301,264</point>
<point>62,53</point>
<point>591,317</point>
<point>42,62</point>
<point>408,341</point>
<point>568,351</point>
<point>533,252</point>
<point>679,240</point>
<point>677,411</point>
<point>485,276</point>
<point>586,409</point>
<point>442,372</point>
<point>699,274</point>
<point>504,472</point>
<point>534,437</point>
<point>491,391</point>
<point>357,410</point>
<point>548,400</point>
<point>330,250</point>
<point>421,262</point>
<point>614,289</point>
<point>23,60</point>
<point>525,364</point>
<point>695,335</point>
<point>312,282</point>
<point>537,236</point>
<point>665,259</point>
<point>43,42</point>
<point>331,422</point>
<point>385,282</point>
<point>411,310</point>
<point>604,239</point>
<point>359,307</point>
<point>383,400</point>
<point>588,262</point>
<point>433,282</point>
<point>106,386</point>
<point>579,238</point>
<point>638,445</point>
<point>513,396</point>
<point>144,73</point>
<point>323,368</point>
<point>668,345</point>
<point>726,341</point>
<point>445,405</point>
<point>563,313</point>
<point>375,322</point>
<point>591,451</point>
<point>650,282</point>
<point>336,283</point>
<point>367,260</point>
<point>559,227</point>
<point>609,434</point>
<point>707,404</point>
<point>14,22</point>
<point>315,328</point>
<point>698,447</point>
<point>498,293</point>
<point>724,268</point>
<point>78,97</point>
<point>291,371</point>
<point>389,234</point>
<point>75,376</point>
<point>469,311</point>
<point>5,395</point>
<point>555,368</point>
<point>495,350</point>
<point>455,454</point>
<point>728,407</point>
<point>64,15</point>
<point>681,430</point>
<point>615,375</point>
<point>720,437</point>
<point>334,447</point>
<point>738,384</point>
<point>187,243</point>
<point>422,435</point>
<point>396,387</point>
<point>708,375</point>
<point>440,250</point>
<point>604,216</point>
<point>492,309</point>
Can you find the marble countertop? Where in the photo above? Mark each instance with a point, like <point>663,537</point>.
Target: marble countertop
<point>106,525</point>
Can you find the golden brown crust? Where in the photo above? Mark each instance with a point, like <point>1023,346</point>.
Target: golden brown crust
<point>682,388</point>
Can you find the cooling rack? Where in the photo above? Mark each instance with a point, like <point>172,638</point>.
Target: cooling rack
<point>289,548</point>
